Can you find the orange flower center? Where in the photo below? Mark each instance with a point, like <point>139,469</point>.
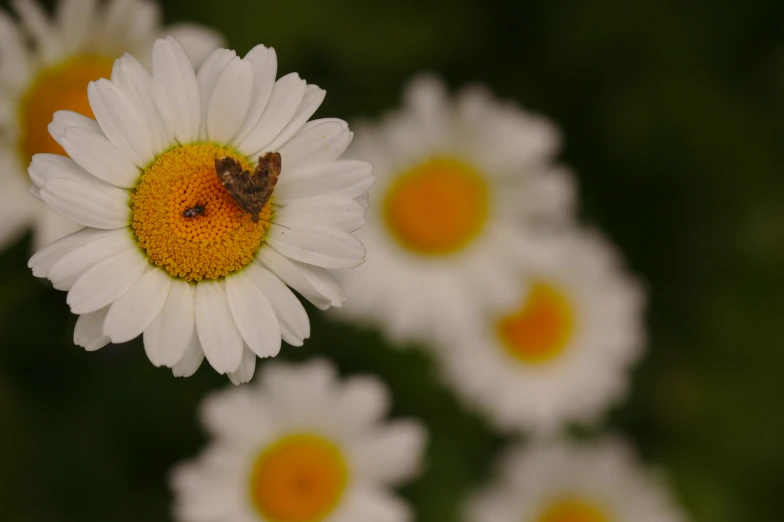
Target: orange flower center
<point>571,510</point>
<point>438,207</point>
<point>300,478</point>
<point>185,219</point>
<point>541,328</point>
<point>60,87</point>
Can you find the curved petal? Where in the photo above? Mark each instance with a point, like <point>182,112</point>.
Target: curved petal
<point>348,178</point>
<point>177,95</point>
<point>106,281</point>
<point>318,245</point>
<point>342,213</point>
<point>88,332</point>
<point>75,19</point>
<point>63,120</point>
<point>319,141</point>
<point>372,503</point>
<point>311,101</point>
<point>207,77</point>
<point>265,66</point>
<point>293,319</point>
<point>43,260</point>
<point>120,121</point>
<point>168,336</point>
<point>314,283</point>
<point>229,101</point>
<point>247,368</point>
<point>392,454</point>
<point>363,400</point>
<point>253,315</point>
<point>190,360</point>
<point>131,314</point>
<point>65,272</point>
<point>283,103</point>
<point>87,202</point>
<point>198,41</point>
<point>218,334</point>
<point>98,156</point>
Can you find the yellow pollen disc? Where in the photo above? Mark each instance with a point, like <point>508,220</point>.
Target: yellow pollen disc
<point>541,328</point>
<point>438,207</point>
<point>60,87</point>
<point>573,511</point>
<point>210,243</point>
<point>300,478</point>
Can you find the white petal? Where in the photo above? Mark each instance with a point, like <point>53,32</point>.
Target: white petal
<point>372,503</point>
<point>120,121</point>
<point>106,282</point>
<point>318,141</point>
<point>349,178</point>
<point>49,166</point>
<point>131,314</point>
<point>314,95</point>
<point>253,315</point>
<point>65,119</point>
<point>136,82</point>
<point>343,213</point>
<point>230,101</point>
<point>43,260</point>
<point>207,77</point>
<point>317,245</point>
<point>176,90</point>
<point>88,332</point>
<point>265,66</point>
<point>247,368</point>
<point>198,41</point>
<point>219,337</point>
<point>283,103</point>
<point>98,156</point>
<point>171,332</point>
<point>15,65</point>
<point>363,401</point>
<point>75,19</point>
<point>293,319</point>
<point>314,283</point>
<point>65,272</point>
<point>36,21</point>
<point>191,359</point>
<point>88,202</point>
<point>392,454</point>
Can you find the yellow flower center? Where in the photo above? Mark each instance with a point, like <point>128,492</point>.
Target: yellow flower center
<point>300,478</point>
<point>571,510</point>
<point>541,328</point>
<point>185,219</point>
<point>60,87</point>
<point>438,207</point>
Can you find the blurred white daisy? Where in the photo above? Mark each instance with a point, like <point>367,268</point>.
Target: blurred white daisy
<point>166,250</point>
<point>559,481</point>
<point>300,445</point>
<point>562,352</point>
<point>460,183</point>
<point>45,65</point>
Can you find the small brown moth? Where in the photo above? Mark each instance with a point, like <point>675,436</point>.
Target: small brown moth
<point>250,191</point>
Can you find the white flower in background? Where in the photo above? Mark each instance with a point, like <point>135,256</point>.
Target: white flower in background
<point>562,352</point>
<point>207,282</point>
<point>45,66</point>
<point>300,445</point>
<point>460,184</point>
<point>568,482</point>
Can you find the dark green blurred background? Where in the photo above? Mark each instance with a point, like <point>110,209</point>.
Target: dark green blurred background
<point>674,122</point>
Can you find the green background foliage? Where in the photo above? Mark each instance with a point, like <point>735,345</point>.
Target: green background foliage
<point>672,120</point>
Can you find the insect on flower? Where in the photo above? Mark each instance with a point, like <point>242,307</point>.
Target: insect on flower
<point>250,191</point>
<point>193,211</point>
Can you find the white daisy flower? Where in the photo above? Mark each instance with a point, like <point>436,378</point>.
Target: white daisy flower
<point>167,251</point>
<point>300,445</point>
<point>562,352</point>
<point>460,183</point>
<point>559,481</point>
<point>45,65</point>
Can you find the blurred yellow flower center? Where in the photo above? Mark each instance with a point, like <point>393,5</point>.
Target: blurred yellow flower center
<point>438,207</point>
<point>60,87</point>
<point>573,511</point>
<point>541,328</point>
<point>185,219</point>
<point>300,478</point>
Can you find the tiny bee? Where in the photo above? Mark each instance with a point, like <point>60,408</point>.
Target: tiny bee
<point>193,211</point>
